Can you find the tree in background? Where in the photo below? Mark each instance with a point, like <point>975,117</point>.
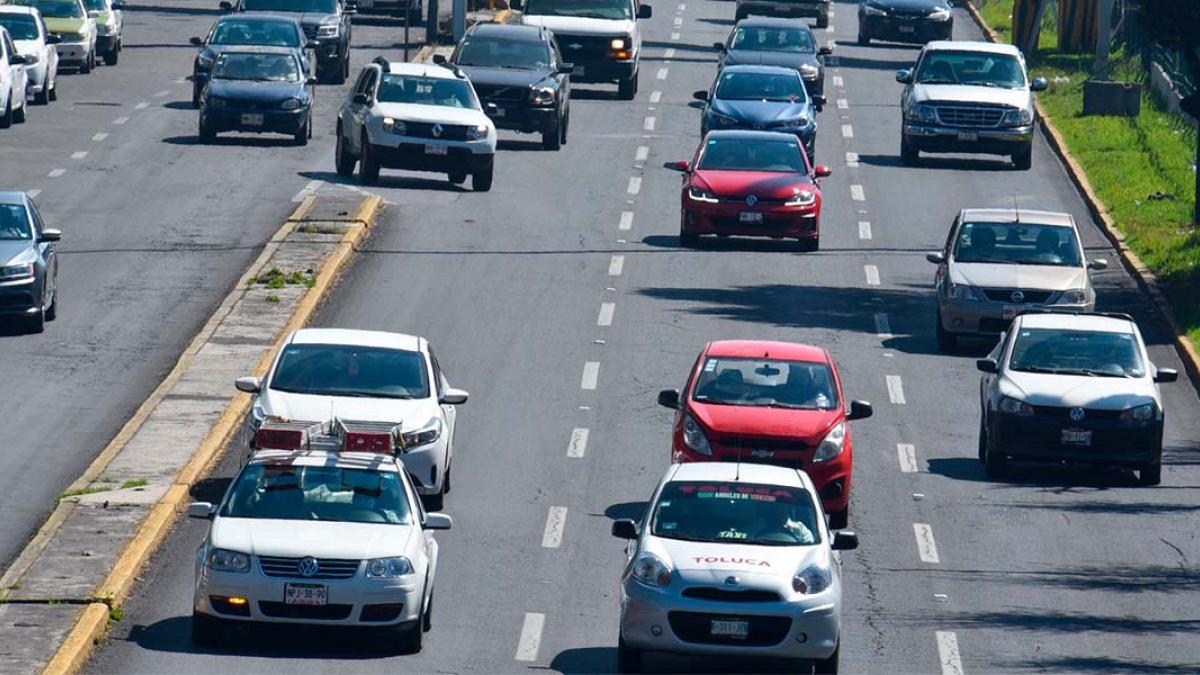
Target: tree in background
<point>1077,25</point>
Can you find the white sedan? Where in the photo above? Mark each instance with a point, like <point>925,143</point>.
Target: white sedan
<point>318,538</point>
<point>734,560</point>
<point>370,376</point>
<point>32,40</point>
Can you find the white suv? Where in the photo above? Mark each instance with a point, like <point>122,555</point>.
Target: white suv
<point>419,117</point>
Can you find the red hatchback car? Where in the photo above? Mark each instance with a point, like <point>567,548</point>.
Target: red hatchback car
<point>751,183</point>
<point>770,403</point>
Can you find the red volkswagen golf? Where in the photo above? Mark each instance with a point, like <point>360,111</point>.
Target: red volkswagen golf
<point>771,403</point>
<point>752,183</point>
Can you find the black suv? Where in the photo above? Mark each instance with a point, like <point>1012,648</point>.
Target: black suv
<point>520,70</point>
<point>325,21</point>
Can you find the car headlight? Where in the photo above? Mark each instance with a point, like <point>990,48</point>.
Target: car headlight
<point>428,433</point>
<point>1075,296</point>
<point>105,28</point>
<point>871,9</point>
<point>292,104</point>
<point>1012,406</point>
<point>693,436</point>
<point>962,292</point>
<point>14,272</point>
<point>477,132</point>
<point>922,113</point>
<point>328,30</point>
<point>650,570</point>
<point>802,198</point>
<point>831,446</point>
<point>224,560</point>
<point>543,96</point>
<point>620,43</point>
<point>1142,413</point>
<point>939,14</point>
<point>389,568</point>
<point>699,195</point>
<point>1017,117</point>
<point>812,579</point>
<point>796,123</point>
<point>809,71</point>
<point>394,126</point>
<point>216,102</point>
<point>204,60</point>
<point>723,120</point>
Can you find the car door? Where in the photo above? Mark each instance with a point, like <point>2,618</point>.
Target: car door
<point>49,52</point>
<point>449,412</point>
<point>943,268</point>
<point>18,76</point>
<point>428,544</point>
<point>48,253</point>
<point>354,113</point>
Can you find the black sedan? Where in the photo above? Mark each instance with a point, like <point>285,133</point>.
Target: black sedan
<point>325,21</point>
<point>28,263</point>
<point>257,89</point>
<point>520,70</point>
<point>246,30</point>
<point>777,42</point>
<point>769,98</point>
<point>918,21</point>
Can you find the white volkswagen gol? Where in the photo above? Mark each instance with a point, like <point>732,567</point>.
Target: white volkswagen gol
<point>733,560</point>
<point>318,538</point>
<point>368,376</point>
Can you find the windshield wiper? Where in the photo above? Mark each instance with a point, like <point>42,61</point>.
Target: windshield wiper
<point>684,537</point>
<point>1102,373</point>
<point>935,81</point>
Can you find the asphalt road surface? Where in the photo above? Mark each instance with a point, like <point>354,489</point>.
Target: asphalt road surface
<point>1057,569</point>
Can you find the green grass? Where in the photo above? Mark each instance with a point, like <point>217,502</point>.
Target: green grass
<point>1127,160</point>
<point>82,491</point>
<point>134,483</point>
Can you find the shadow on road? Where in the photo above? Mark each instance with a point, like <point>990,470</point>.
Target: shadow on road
<point>284,641</point>
<point>631,510</point>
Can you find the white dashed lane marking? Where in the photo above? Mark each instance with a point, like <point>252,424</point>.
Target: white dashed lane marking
<point>626,222</point>
<point>642,153</point>
<point>864,229</point>
<point>851,160</point>
<point>310,189</point>
<point>606,314</point>
<point>679,21</point>
<point>847,131</point>
<point>99,137</point>
<point>531,637</point>
<point>591,372</point>
<point>670,53</point>
<point>56,173</point>
<point>838,81</point>
<point>616,265</point>
<point>842,104</point>
<point>895,387</point>
<point>79,155</point>
<point>662,73</point>
<point>33,193</point>
<point>857,194</point>
<point>556,521</point>
<point>655,96</point>
<point>947,643</point>
<point>578,446</point>
<point>635,182</point>
<point>648,125</point>
<point>162,93</point>
<point>142,105</point>
<point>908,457</point>
<point>674,36</point>
<point>926,547</point>
<point>872,273</point>
<point>121,120</point>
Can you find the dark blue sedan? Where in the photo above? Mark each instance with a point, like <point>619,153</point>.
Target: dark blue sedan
<point>765,98</point>
<point>258,90</point>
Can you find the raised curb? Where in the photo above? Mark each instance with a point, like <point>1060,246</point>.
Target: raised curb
<point>1188,353</point>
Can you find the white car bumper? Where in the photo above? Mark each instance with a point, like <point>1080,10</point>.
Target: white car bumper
<point>72,52</point>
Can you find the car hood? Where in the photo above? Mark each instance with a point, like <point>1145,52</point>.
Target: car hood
<point>16,252</point>
<point>431,113</point>
<point>810,425</point>
<point>741,57</point>
<point>1097,393</point>
<point>504,77</point>
<point>762,111</point>
<point>256,91</point>
<point>105,17</point>
<point>309,408</point>
<point>299,538</point>
<point>27,47</point>
<point>961,93</point>
<point>911,5</point>
<point>65,25</point>
<point>1044,277</point>
<point>762,184</point>
<point>712,563</point>
<point>569,25</point>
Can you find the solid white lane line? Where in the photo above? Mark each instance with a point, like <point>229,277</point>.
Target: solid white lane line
<point>851,160</point>
<point>895,387</point>
<point>864,229</point>
<point>674,36</point>
<point>556,520</point>
<point>838,81</point>
<point>642,153</point>
<point>635,184</point>
<point>842,104</point>
<point>883,327</point>
<point>847,131</point>
<point>616,265</point>
<point>578,446</point>
<point>142,105</point>
<point>648,125</point>
<point>908,457</point>
<point>655,96</point>
<point>670,53</point>
<point>926,547</point>
<point>872,273</point>
<point>531,637</point>
<point>606,313</point>
<point>947,643</point>
<point>79,155</point>
<point>626,222</point>
<point>662,73</point>
<point>857,194</point>
<point>99,137</point>
<point>33,193</point>
<point>591,372</point>
<point>121,120</point>
<point>56,173</point>
<point>162,93</point>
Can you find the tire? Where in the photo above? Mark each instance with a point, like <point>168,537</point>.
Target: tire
<point>627,89</point>
<point>43,96</point>
<point>810,245</point>
<point>19,114</point>
<point>1150,475</point>
<point>995,464</point>
<point>481,181</point>
<point>982,439</point>
<point>909,156</point>
<point>113,55</point>
<point>89,62</point>
<point>434,502</point>
<point>688,239</point>
<point>368,166</point>
<point>552,137</point>
<point>54,90</point>
<point>946,341</point>
<point>829,666</point>
<point>457,177</point>
<point>207,134</point>
<point>343,72</point>
<point>839,520</point>
<point>303,134</point>
<point>6,119</point>
<point>446,480</point>
<point>196,90</point>
<point>207,631</point>
<point>427,616</point>
<point>36,323</point>
<point>566,124</point>
<point>1023,160</point>
<point>411,640</point>
<point>823,20</point>
<point>629,660</point>
<point>52,310</point>
<point>343,161</point>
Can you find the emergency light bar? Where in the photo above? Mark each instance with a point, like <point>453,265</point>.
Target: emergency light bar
<point>359,436</point>
<point>288,435</point>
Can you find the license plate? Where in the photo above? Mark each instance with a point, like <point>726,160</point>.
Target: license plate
<point>750,217</point>
<point>436,150</point>
<point>305,594</point>
<point>968,136</point>
<point>1076,437</point>
<point>252,119</point>
<point>730,628</point>
<point>579,70</point>
<point>1011,311</point>
<point>902,29</point>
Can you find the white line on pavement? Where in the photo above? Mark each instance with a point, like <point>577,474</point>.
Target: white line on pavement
<point>531,637</point>
<point>655,96</point>
<point>926,547</point>
<point>682,7</point>
<point>616,265</point>
<point>895,387</point>
<point>33,193</point>
<point>99,137</point>
<point>679,21</point>
<point>908,457</point>
<point>872,273</point>
<point>842,104</point>
<point>847,131</point>
<point>578,446</point>
<point>556,520</point>
<point>674,36</point>
<point>121,120</point>
<point>642,153</point>
<point>626,222</point>
<point>162,93</point>
<point>56,173</point>
<point>838,81</point>
<point>947,643</point>
<point>883,327</point>
<point>829,28</point>
<point>635,182</point>
<point>311,188</point>
<point>670,53</point>
<point>79,155</point>
<point>606,313</point>
<point>851,160</point>
<point>864,229</point>
<point>591,371</point>
<point>142,105</point>
<point>648,125</point>
<point>662,73</point>
<point>857,194</point>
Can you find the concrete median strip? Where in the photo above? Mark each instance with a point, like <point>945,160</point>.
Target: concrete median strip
<point>58,596</point>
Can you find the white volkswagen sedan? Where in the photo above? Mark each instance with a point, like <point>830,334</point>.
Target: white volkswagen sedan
<point>325,373</point>
<point>318,538</point>
<point>734,560</point>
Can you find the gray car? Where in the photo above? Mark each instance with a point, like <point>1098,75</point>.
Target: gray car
<point>777,42</point>
<point>28,263</point>
<point>998,263</point>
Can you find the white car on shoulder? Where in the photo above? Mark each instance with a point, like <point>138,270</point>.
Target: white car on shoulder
<point>322,374</point>
<point>319,538</point>
<point>28,32</point>
<point>733,560</point>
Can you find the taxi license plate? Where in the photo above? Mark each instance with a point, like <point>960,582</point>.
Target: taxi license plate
<point>1079,437</point>
<point>968,136</point>
<point>1011,311</point>
<point>252,119</point>
<point>436,150</point>
<point>753,217</point>
<point>579,70</point>
<point>730,628</point>
<point>305,594</point>
<point>906,29</point>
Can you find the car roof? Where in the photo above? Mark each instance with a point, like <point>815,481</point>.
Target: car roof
<point>758,68</point>
<point>11,196</point>
<point>263,17</point>
<point>971,46</point>
<point>360,338</point>
<point>429,70</point>
<point>375,461</point>
<point>509,31</point>
<point>792,351</point>
<point>18,9</point>
<point>772,22</point>
<point>1078,321</point>
<point>743,472</point>
<point>257,49</point>
<point>748,135</point>
<point>1017,215</point>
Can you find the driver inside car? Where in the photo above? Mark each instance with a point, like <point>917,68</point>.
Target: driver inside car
<point>778,519</point>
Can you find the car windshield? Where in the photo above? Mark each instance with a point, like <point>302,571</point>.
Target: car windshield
<point>771,39</point>
<point>514,54</point>
<point>348,370</point>
<point>20,26</point>
<point>1017,244</point>
<point>95,5</point>
<point>741,154</point>
<point>426,91</point>
<point>329,493</point>
<point>974,68</point>
<point>743,513</point>
<point>256,67</point>
<point>591,9</point>
<point>55,9</point>
<point>318,6</point>
<point>14,224</point>
<point>770,383</point>
<point>738,86</point>
<point>257,33</point>
<point>1076,352</point>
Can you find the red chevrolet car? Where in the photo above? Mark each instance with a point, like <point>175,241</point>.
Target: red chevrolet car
<point>752,183</point>
<point>771,403</point>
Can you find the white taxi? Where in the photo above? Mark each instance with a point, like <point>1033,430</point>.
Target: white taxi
<point>733,559</point>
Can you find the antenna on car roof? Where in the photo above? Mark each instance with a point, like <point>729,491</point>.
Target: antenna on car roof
<point>1016,209</point>
<point>737,471</point>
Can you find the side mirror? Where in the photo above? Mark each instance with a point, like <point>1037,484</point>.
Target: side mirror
<point>824,51</point>
<point>700,95</point>
<point>669,398</point>
<point>491,109</point>
<point>250,385</point>
<point>936,257</point>
<point>199,42</point>
<point>819,102</point>
<point>644,12</point>
<point>312,44</point>
<point>566,68</point>
<point>1038,84</point>
<point>1166,375</point>
<point>361,99</point>
<point>226,6</point>
<point>118,4</point>
<point>719,46</point>
<point>844,541</point>
<point>859,410</point>
<point>52,39</point>
<point>350,11</point>
<point>453,397</point>
<point>437,521</point>
<point>200,510</point>
<point>676,166</point>
<point>439,59</point>
<point>822,171</point>
<point>51,235</point>
<point>624,529</point>
<point>17,59</point>
<point>904,76</point>
<point>1098,264</point>
<point>986,366</point>
<point>311,79</point>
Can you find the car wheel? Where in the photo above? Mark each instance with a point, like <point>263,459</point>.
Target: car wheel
<point>302,134</point>
<point>909,155</point>
<point>343,72</point>
<point>368,166</point>
<point>54,90</point>
<point>207,134</point>
<point>427,617</point>
<point>196,90</point>
<point>343,161</point>
<point>481,180</point>
<point>946,341</point>
<point>52,310</point>
<point>43,96</point>
<point>688,239</point>
<point>839,520</point>
<point>566,123</point>
<point>113,55</point>
<point>457,177</point>
<point>552,137</point>
<point>1023,160</point>
<point>411,639</point>
<point>829,666</point>
<point>627,89</point>
<point>995,462</point>
<point>207,630</point>
<point>1151,474</point>
<point>6,119</point>
<point>982,439</point>
<point>446,480</point>
<point>88,62</point>
<point>810,244</point>
<point>19,114</point>
<point>629,660</point>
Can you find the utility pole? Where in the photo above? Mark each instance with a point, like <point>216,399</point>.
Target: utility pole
<point>1103,38</point>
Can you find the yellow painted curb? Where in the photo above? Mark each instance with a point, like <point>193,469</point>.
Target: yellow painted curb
<point>75,649</point>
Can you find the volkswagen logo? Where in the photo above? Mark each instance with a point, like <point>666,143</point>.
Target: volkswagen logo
<point>1077,414</point>
<point>751,200</point>
<point>308,567</point>
<point>574,45</point>
<point>1018,296</point>
<point>731,581</point>
<point>437,131</point>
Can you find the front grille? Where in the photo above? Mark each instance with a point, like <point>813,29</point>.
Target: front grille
<point>253,105</point>
<point>724,595</point>
<point>280,610</point>
<point>449,132</point>
<point>1006,295</point>
<point>970,116</point>
<point>576,48</point>
<point>500,94</point>
<point>768,223</point>
<point>696,627</point>
<point>1047,412</point>
<point>327,568</point>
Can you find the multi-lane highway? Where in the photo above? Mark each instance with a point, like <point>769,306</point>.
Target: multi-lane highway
<point>520,288</point>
